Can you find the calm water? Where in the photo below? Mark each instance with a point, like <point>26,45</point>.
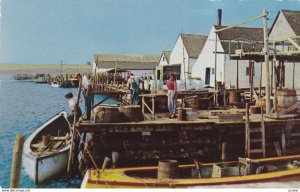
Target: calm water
<point>24,106</point>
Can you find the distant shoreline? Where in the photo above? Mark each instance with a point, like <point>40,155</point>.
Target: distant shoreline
<point>52,69</point>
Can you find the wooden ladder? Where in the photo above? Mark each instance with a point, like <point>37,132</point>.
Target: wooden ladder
<point>255,144</point>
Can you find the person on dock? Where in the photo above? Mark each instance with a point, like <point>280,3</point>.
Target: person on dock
<point>72,104</point>
<point>133,86</point>
<point>128,76</point>
<point>172,95</point>
<point>88,93</point>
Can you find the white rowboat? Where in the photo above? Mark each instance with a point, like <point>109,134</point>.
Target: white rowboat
<point>46,150</point>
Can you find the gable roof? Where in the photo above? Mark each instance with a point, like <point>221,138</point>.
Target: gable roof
<point>193,43</point>
<point>253,35</point>
<point>167,55</point>
<point>293,18</point>
<point>126,61</point>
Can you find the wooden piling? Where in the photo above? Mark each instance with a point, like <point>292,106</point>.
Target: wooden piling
<point>16,161</point>
<point>247,134</point>
<point>224,151</point>
<point>283,140</point>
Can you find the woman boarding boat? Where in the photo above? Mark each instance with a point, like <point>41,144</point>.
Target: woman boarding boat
<point>280,169</point>
<point>45,151</point>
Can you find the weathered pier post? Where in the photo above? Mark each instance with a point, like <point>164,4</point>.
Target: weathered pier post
<point>74,140</point>
<point>267,66</point>
<point>16,161</point>
<point>247,125</point>
<point>224,151</point>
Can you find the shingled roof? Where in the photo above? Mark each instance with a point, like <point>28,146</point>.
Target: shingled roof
<point>252,35</point>
<point>167,55</point>
<point>193,44</point>
<point>293,18</point>
<point>126,61</point>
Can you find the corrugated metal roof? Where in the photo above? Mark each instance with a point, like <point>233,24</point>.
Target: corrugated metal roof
<point>126,61</point>
<point>193,44</point>
<point>252,35</point>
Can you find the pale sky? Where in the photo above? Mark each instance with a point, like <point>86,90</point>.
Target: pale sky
<point>48,31</point>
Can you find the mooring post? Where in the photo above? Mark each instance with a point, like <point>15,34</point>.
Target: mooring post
<point>224,151</point>
<point>283,140</point>
<point>247,125</point>
<point>16,161</point>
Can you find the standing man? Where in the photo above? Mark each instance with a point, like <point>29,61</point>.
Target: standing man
<point>88,93</point>
<point>133,86</point>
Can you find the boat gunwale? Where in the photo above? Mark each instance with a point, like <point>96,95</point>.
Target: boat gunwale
<point>185,182</point>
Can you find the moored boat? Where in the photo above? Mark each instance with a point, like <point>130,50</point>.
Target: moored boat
<point>280,169</point>
<point>55,84</point>
<point>45,151</point>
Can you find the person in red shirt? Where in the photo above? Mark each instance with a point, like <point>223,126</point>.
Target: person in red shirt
<point>172,95</point>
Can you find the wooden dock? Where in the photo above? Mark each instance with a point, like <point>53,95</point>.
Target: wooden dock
<point>201,138</point>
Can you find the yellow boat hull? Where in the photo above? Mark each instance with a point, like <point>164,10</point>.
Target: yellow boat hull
<point>116,178</point>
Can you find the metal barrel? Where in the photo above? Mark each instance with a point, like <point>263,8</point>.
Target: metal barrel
<point>106,114</point>
<point>182,114</point>
<point>167,169</point>
<point>195,102</point>
<point>131,113</point>
<point>234,97</point>
<point>286,98</point>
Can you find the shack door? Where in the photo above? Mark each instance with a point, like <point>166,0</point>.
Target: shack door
<point>158,75</point>
<point>207,76</point>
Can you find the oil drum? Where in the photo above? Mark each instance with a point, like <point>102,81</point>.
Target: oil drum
<point>167,169</point>
<point>286,98</point>
<point>182,116</point>
<point>106,114</point>
<point>131,113</point>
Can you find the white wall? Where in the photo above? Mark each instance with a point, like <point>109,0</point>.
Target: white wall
<point>206,59</point>
<point>231,73</point>
<point>282,30</point>
<point>177,53</point>
<point>162,61</point>
<point>192,62</point>
<point>140,73</point>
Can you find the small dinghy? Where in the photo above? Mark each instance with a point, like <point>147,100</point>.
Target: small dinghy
<point>55,84</point>
<point>46,150</point>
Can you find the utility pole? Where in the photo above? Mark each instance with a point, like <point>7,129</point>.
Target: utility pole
<point>266,51</point>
